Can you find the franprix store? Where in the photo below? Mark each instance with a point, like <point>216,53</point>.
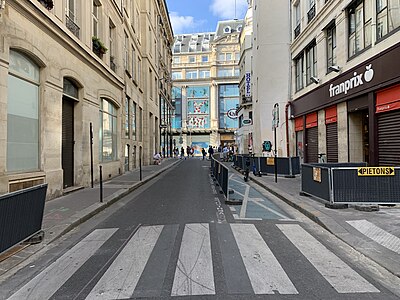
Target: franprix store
<point>355,117</point>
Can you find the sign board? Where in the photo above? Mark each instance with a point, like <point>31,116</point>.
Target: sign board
<point>375,171</point>
<point>247,122</point>
<point>275,116</point>
<point>248,84</point>
<point>316,174</point>
<point>232,113</point>
<point>270,161</point>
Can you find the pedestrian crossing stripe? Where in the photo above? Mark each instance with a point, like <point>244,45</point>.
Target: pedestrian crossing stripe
<point>194,270</point>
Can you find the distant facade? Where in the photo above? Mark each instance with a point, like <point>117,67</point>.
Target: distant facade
<point>346,81</point>
<point>246,89</point>
<point>76,76</point>
<point>265,63</point>
<point>205,93</point>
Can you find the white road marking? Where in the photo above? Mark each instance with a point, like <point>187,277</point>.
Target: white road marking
<point>244,203</point>
<point>342,278</point>
<point>265,273</point>
<point>44,285</point>
<point>377,234</point>
<point>121,278</point>
<point>194,270</point>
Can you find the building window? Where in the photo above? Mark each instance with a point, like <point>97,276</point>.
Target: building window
<point>311,10</point>
<point>22,114</point>
<point>176,75</point>
<point>225,72</point>
<point>204,73</point>
<point>198,110</point>
<point>127,113</point>
<point>299,70</point>
<point>133,63</point>
<point>108,131</point>
<point>126,55</point>
<point>360,19</point>
<point>177,47</point>
<point>191,74</point>
<point>177,102</point>
<point>388,16</point>
<point>95,18</point>
<point>228,96</point>
<point>111,34</point>
<point>192,59</point>
<point>331,45</point>
<point>204,58</point>
<point>297,19</point>
<point>71,19</point>
<point>133,120</point>
<point>176,59</point>
<point>311,62</point>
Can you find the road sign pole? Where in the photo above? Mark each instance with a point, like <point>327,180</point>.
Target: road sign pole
<point>275,160</point>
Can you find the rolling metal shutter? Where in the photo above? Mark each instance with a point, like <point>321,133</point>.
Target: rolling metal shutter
<point>389,138</point>
<point>312,145</point>
<point>332,143</point>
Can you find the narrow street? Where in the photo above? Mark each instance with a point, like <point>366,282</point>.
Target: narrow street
<point>175,237</point>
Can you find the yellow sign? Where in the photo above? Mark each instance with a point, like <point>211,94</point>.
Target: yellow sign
<point>270,161</point>
<point>317,174</point>
<point>376,171</point>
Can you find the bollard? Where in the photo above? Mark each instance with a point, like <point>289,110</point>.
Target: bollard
<point>101,183</point>
<point>140,168</point>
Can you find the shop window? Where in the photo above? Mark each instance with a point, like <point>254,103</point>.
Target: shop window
<point>22,114</point>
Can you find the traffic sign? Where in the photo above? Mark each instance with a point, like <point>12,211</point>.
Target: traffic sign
<point>375,171</point>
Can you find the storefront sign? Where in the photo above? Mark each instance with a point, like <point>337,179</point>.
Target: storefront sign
<point>376,171</point>
<point>232,113</point>
<point>248,85</point>
<point>355,81</point>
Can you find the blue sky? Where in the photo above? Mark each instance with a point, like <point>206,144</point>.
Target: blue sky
<point>193,16</point>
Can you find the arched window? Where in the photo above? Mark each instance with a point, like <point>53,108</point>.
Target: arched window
<point>108,131</point>
<point>22,114</point>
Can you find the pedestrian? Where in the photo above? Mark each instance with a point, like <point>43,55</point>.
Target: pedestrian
<point>225,151</point>
<point>182,153</point>
<point>203,151</point>
<point>188,149</point>
<point>210,152</point>
<point>157,158</point>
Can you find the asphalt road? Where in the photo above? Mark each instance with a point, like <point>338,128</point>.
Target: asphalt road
<point>175,238</point>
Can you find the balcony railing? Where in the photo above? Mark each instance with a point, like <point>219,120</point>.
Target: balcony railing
<point>311,13</point>
<point>297,31</point>
<point>72,26</point>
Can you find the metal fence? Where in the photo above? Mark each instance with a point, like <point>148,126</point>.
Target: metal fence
<point>220,173</point>
<point>340,183</point>
<point>286,166</point>
<point>21,215</point>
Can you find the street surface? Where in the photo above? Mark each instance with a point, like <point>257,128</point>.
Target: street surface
<point>175,238</point>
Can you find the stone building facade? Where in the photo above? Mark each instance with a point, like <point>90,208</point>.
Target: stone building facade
<point>346,81</point>
<point>205,74</point>
<point>79,87</point>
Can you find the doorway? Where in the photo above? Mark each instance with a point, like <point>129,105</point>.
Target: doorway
<point>67,147</point>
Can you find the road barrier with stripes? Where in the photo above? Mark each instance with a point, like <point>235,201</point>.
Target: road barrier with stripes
<point>21,215</point>
<point>349,183</point>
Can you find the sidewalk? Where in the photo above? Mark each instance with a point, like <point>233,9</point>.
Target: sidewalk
<point>382,227</point>
<point>64,213</point>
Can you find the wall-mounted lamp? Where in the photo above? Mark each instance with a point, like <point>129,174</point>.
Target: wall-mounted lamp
<point>334,68</point>
<point>314,79</point>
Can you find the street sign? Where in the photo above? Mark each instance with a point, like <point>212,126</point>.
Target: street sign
<point>375,171</point>
<point>232,113</point>
<point>270,161</point>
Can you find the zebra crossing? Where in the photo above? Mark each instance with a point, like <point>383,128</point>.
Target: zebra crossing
<point>249,263</point>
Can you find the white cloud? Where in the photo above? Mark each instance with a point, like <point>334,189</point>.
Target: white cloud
<point>183,24</point>
<point>225,9</point>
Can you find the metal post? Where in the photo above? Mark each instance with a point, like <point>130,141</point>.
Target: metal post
<point>91,153</point>
<point>101,183</point>
<point>140,168</point>
<point>275,160</point>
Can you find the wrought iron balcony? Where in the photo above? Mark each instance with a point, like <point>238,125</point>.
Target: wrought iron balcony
<point>72,26</point>
<point>297,31</point>
<point>311,13</point>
